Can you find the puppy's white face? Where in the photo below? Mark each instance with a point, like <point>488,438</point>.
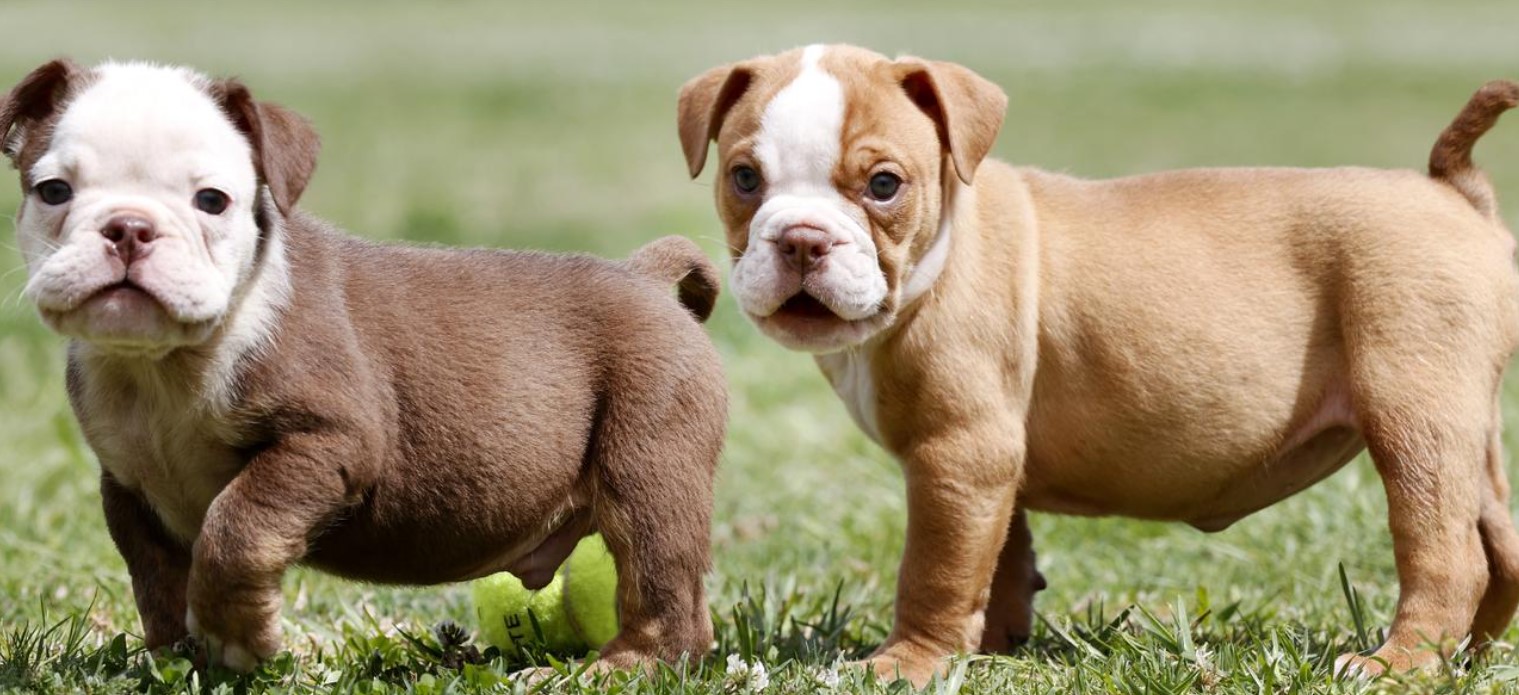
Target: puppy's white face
<point>138,223</point>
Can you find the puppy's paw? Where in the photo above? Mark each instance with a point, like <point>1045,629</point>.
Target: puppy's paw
<point>537,678</point>
<point>1392,657</point>
<point>1383,661</point>
<point>533,678</point>
<point>239,640</point>
<point>1358,666</point>
<point>896,662</point>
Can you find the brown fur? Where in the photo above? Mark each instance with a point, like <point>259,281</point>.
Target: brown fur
<point>419,415</point>
<point>573,393</point>
<point>677,261</point>
<point>1189,346</point>
<point>31,109</point>
<point>285,147</point>
<point>1010,610</point>
<point>1451,158</point>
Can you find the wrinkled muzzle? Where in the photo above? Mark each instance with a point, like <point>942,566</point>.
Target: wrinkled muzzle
<point>125,269</point>
<point>807,244</point>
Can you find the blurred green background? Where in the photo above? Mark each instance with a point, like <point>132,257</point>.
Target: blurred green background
<point>551,125</point>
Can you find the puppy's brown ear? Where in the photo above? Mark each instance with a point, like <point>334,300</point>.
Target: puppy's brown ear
<point>704,103</point>
<point>285,146</point>
<point>967,108</point>
<point>33,100</point>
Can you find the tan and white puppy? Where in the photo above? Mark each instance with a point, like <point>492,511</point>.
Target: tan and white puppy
<point>263,390</point>
<point>1189,346</point>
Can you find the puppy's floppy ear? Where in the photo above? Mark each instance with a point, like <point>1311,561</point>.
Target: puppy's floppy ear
<point>967,108</point>
<point>285,145</point>
<point>35,98</point>
<point>704,103</point>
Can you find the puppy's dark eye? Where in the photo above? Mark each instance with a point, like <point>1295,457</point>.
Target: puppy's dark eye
<point>746,179</point>
<point>54,191</point>
<point>883,186</point>
<point>211,201</point>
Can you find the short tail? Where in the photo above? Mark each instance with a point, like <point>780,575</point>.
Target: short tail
<point>678,261</point>
<point>1451,159</point>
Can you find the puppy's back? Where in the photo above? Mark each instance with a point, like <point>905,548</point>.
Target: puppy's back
<point>468,368</point>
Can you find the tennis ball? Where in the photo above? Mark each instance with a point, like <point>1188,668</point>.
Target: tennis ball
<point>590,591</point>
<point>576,612</point>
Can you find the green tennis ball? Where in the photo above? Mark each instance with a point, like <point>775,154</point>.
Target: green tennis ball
<point>576,612</point>
<point>590,591</point>
<point>502,605</point>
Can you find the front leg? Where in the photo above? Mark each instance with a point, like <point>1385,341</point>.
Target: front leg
<point>961,486</point>
<point>256,528</point>
<point>159,564</point>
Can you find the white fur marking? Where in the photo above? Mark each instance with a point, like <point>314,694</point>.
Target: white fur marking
<point>800,132</point>
<point>251,323</point>
<point>798,147</point>
<point>848,371</point>
<point>928,268</point>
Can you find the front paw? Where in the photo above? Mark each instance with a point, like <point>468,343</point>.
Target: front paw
<point>1387,659</point>
<point>1358,666</point>
<point>548,678</point>
<point>238,630</point>
<point>900,661</point>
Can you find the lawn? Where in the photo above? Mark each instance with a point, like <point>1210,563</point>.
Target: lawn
<point>551,125</point>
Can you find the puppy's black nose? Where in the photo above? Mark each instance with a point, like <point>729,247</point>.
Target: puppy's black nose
<point>130,235</point>
<point>803,246</point>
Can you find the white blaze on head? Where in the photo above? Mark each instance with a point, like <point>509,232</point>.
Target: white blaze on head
<point>141,140</point>
<point>801,130</point>
<point>798,147</point>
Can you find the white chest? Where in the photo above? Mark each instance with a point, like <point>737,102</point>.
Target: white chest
<point>174,454</point>
<point>849,373</point>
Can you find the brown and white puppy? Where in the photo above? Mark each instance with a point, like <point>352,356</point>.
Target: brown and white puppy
<point>262,390</point>
<point>1190,346</point>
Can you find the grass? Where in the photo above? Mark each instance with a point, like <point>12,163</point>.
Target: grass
<point>550,125</point>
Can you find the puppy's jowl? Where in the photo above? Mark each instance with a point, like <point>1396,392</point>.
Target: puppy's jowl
<point>1190,346</point>
<point>263,390</point>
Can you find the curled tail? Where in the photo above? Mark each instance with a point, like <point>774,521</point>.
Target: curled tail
<point>678,261</point>
<point>1451,159</point>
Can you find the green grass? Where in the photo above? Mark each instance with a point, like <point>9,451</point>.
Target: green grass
<point>550,125</point>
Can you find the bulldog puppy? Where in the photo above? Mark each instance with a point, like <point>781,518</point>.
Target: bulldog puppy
<point>263,390</point>
<point>1190,346</point>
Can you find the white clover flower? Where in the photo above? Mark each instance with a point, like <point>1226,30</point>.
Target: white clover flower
<point>827,677</point>
<point>747,676</point>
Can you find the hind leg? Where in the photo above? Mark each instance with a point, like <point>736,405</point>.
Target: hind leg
<point>654,464</point>
<point>1431,459</point>
<point>661,602</point>
<point>1010,612</point>
<point>1500,542</point>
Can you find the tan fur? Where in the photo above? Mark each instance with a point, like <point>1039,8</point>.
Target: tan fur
<point>1190,346</point>
<point>405,415</point>
<point>965,107</point>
